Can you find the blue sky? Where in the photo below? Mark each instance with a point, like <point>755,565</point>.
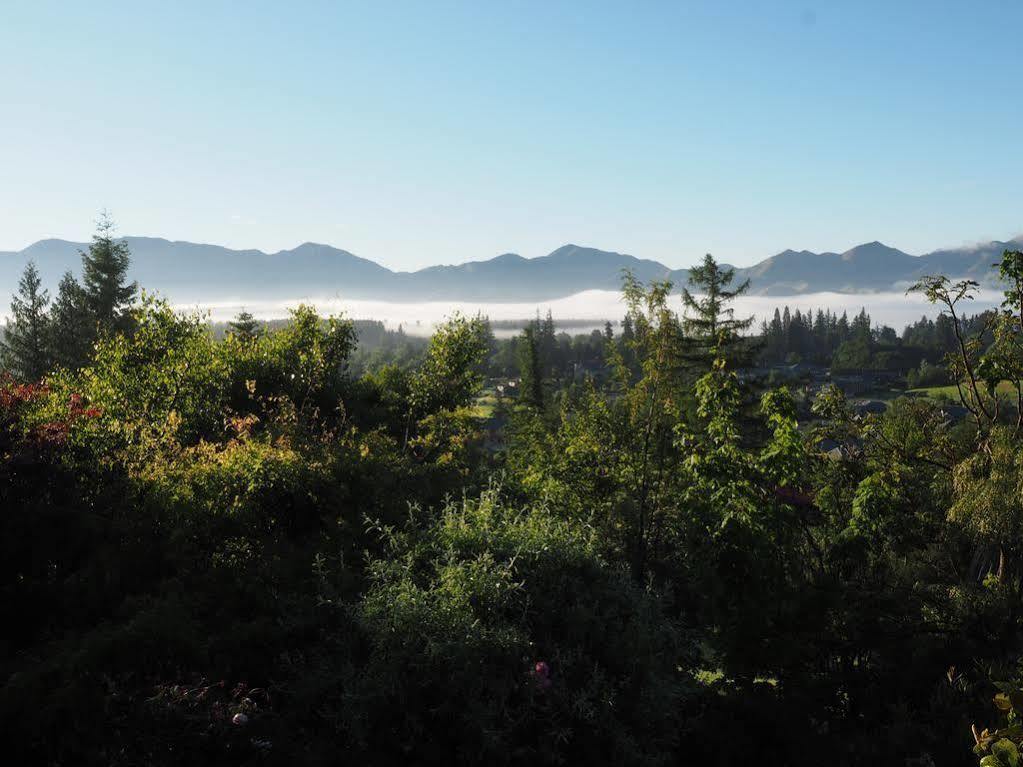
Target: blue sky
<point>432,132</point>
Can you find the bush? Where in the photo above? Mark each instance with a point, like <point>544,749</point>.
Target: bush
<point>500,636</point>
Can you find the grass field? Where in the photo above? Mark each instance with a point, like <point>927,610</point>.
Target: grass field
<point>950,392</point>
<point>485,404</point>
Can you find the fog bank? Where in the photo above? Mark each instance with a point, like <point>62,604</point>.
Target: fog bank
<point>896,309</point>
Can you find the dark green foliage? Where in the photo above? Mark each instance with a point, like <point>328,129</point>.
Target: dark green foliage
<point>710,323</point>
<point>530,370</point>
<point>71,325</point>
<point>26,343</point>
<point>501,636</point>
<point>105,285</point>
<point>245,326</point>
<point>927,375</point>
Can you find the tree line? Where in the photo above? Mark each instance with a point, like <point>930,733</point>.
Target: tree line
<point>40,334</point>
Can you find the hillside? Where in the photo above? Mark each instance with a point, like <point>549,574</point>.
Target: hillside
<point>188,272</point>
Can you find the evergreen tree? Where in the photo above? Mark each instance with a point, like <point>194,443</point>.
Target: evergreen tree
<point>531,391</point>
<point>626,346</point>
<point>247,327</point>
<point>627,332</point>
<point>71,324</point>
<point>25,347</point>
<point>710,322</point>
<point>104,278</point>
<point>547,344</point>
<point>842,328</point>
<point>860,328</point>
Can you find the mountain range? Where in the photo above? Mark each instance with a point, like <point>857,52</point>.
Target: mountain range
<point>188,272</point>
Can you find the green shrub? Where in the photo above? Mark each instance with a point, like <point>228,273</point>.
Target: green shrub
<point>500,636</point>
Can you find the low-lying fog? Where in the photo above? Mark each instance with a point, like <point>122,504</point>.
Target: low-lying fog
<point>590,309</point>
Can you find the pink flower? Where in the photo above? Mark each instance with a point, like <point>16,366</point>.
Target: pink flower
<point>542,675</point>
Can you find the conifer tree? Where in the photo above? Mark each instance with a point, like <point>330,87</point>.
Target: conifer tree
<point>547,344</point>
<point>25,347</point>
<point>710,322</point>
<point>531,385</point>
<point>860,327</point>
<point>245,326</point>
<point>71,324</point>
<point>104,278</point>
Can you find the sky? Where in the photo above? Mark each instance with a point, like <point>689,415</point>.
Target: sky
<point>416,133</point>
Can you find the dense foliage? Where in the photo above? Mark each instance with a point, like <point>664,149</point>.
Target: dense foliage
<point>246,547</point>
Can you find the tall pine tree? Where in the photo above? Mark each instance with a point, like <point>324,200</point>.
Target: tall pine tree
<point>71,325</point>
<point>107,292</point>
<point>246,327</point>
<point>25,347</point>
<point>710,322</point>
<point>530,370</point>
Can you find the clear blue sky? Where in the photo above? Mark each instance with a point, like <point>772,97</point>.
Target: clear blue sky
<point>427,132</point>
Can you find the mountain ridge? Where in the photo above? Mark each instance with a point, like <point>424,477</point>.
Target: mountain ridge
<point>197,272</point>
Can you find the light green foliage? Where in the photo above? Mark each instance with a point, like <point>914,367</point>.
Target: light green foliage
<point>166,378</point>
<point>717,397</point>
<point>448,438</point>
<point>830,404</point>
<point>235,506</point>
<point>303,362</point>
<point>876,504</point>
<point>169,380</point>
<point>989,491</point>
<point>1002,362</point>
<point>451,374</point>
<point>1000,747</point>
<point>785,458</point>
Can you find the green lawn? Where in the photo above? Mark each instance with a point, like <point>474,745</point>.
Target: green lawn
<point>950,391</point>
<point>485,404</point>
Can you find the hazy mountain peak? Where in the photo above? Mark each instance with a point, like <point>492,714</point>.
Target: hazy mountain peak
<point>873,251</point>
<point>190,272</point>
<point>872,246</point>
<point>314,247</point>
<point>49,244</point>
<point>505,258</point>
<point>571,251</point>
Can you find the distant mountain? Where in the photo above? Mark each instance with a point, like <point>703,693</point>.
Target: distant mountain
<point>569,269</point>
<point>189,272</point>
<point>868,267</point>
